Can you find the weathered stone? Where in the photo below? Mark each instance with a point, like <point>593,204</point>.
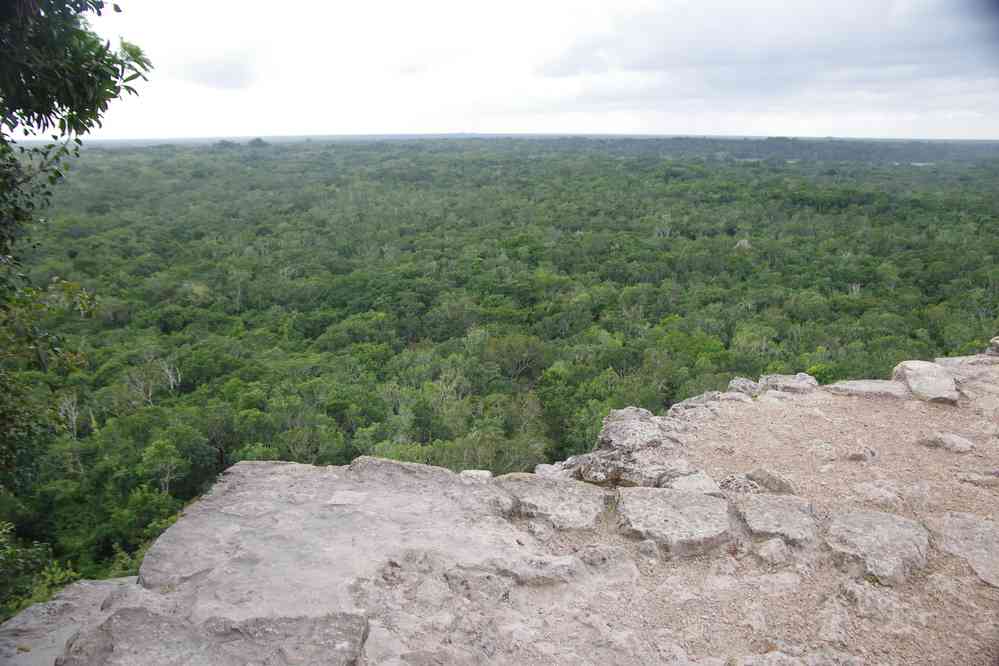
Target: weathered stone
<point>993,349</point>
<point>567,505</point>
<point>927,381</point>
<point>621,469</point>
<point>982,480</point>
<point>698,482</point>
<point>833,622</point>
<point>784,516</point>
<point>735,396</point>
<point>777,658</point>
<point>773,396</point>
<point>870,388</point>
<point>886,546</point>
<point>45,628</point>
<point>949,442</point>
<point>799,383</point>
<point>860,454</point>
<point>970,537</point>
<point>885,494</point>
<point>693,408</point>
<point>683,523</point>
<point>633,428</point>
<point>556,471</point>
<point>774,552</point>
<point>476,474</point>
<point>139,636</point>
<point>746,386</point>
<point>739,483</point>
<point>871,601</point>
<point>771,480</point>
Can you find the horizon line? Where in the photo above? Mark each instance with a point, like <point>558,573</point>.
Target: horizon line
<point>520,135</point>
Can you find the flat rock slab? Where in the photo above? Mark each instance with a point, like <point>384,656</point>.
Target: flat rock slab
<point>887,546</point>
<point>771,480</point>
<point>634,428</point>
<point>785,516</point>
<point>972,538</point>
<point>927,381</point>
<point>799,383</point>
<point>870,388</point>
<point>46,627</point>
<point>567,505</point>
<point>698,482</point>
<point>684,523</point>
<point>949,442</point>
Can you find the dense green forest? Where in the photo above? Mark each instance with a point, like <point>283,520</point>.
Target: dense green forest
<point>472,303</point>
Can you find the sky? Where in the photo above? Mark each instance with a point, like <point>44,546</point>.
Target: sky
<point>850,68</point>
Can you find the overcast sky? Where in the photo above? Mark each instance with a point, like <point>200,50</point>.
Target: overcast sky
<point>874,68</point>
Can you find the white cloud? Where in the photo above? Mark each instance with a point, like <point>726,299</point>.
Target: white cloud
<point>245,67</point>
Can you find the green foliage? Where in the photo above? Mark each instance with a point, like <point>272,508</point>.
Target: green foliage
<point>57,77</point>
<point>470,304</point>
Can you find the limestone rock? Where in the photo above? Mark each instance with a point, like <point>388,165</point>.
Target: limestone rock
<point>982,480</point>
<point>884,494</point>
<point>683,523</point>
<point>634,428</point>
<point>46,627</point>
<point>556,471</point>
<point>476,474</point>
<point>567,505</point>
<point>739,483</point>
<point>746,386</point>
<point>860,453</point>
<point>949,442</point>
<point>618,468</point>
<point>735,396</point>
<point>993,349</point>
<point>696,407</point>
<point>927,381</point>
<point>886,546</point>
<point>799,383</point>
<point>870,388</point>
<point>774,552</point>
<point>771,480</point>
<point>698,482</point>
<point>971,538</point>
<point>784,516</point>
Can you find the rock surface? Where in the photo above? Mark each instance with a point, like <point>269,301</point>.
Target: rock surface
<point>927,381</point>
<point>889,547</point>
<point>786,517</point>
<point>870,388</point>
<point>971,538</point>
<point>629,554</point>
<point>949,442</point>
<point>684,523</point>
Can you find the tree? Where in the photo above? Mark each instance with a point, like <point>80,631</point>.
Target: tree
<point>163,462</point>
<point>57,78</point>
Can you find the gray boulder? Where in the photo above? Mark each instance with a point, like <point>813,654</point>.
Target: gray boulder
<point>746,386</point>
<point>870,388</point>
<point>634,428</point>
<point>972,538</point>
<point>885,546</point>
<point>789,518</point>
<point>567,505</point>
<point>771,480</point>
<point>927,381</point>
<point>799,383</point>
<point>949,442</point>
<point>683,523</point>
<point>698,482</point>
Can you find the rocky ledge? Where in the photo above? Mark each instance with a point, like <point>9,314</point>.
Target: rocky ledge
<point>779,523</point>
